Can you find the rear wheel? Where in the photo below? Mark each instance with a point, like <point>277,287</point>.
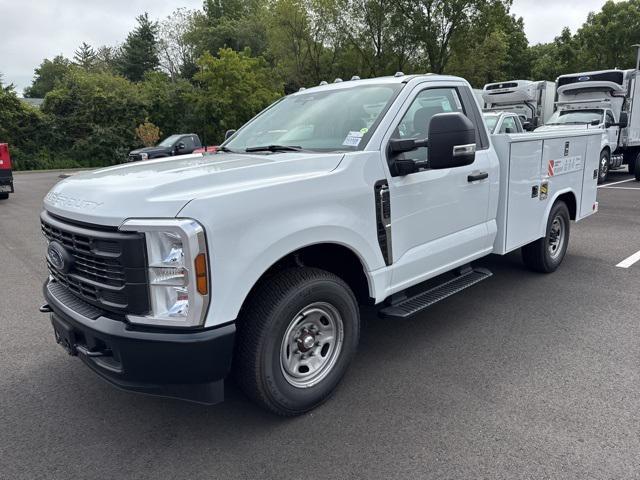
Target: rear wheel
<point>4,196</point>
<point>546,254</point>
<point>636,169</point>
<point>603,168</point>
<point>296,338</point>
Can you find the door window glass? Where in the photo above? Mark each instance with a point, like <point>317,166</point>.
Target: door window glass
<point>509,125</point>
<point>415,122</point>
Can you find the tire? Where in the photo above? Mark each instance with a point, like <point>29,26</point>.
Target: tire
<point>282,324</point>
<point>603,167</point>
<point>4,196</point>
<point>636,169</point>
<point>546,254</point>
<point>630,160</point>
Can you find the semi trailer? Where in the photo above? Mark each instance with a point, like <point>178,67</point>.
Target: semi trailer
<point>165,274</point>
<point>533,102</point>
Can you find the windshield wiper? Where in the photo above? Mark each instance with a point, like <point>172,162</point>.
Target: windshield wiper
<point>274,148</point>
<point>226,149</point>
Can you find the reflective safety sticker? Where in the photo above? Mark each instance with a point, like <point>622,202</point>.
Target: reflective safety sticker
<point>353,139</point>
<point>544,190</point>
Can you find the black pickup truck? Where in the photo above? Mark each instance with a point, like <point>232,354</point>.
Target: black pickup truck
<point>6,177</point>
<point>180,144</point>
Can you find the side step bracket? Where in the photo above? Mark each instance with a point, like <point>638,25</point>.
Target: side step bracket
<point>412,305</point>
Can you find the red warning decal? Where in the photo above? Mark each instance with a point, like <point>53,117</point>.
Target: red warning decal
<point>551,167</point>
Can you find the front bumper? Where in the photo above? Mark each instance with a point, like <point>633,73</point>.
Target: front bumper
<point>185,365</point>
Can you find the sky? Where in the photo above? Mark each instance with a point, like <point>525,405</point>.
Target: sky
<point>31,30</point>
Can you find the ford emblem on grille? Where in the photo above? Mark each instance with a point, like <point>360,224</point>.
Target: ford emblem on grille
<point>59,258</point>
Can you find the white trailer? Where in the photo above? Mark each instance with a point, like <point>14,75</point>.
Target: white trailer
<point>603,100</point>
<point>533,102</point>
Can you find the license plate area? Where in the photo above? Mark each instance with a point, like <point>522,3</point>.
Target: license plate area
<point>5,188</point>
<point>65,335</point>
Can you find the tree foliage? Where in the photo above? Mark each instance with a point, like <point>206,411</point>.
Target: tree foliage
<point>212,69</point>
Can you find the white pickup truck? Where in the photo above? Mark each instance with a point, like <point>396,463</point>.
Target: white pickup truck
<point>166,273</point>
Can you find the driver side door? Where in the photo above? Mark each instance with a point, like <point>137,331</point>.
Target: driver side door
<point>439,218</point>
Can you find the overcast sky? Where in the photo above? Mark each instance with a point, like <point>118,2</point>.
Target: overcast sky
<point>31,30</point>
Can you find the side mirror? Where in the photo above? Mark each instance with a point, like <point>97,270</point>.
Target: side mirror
<point>452,141</point>
<point>624,120</point>
<point>180,146</point>
<point>528,126</point>
<point>228,134</point>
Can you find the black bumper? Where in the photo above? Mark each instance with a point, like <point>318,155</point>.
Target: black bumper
<point>185,365</point>
<point>6,181</point>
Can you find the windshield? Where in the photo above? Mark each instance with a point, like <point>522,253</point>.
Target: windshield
<point>491,121</point>
<point>576,117</point>
<point>167,142</point>
<point>329,120</point>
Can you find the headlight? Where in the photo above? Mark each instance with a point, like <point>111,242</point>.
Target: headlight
<point>144,156</point>
<point>178,272</point>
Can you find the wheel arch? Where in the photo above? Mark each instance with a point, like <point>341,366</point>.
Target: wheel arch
<point>568,196</point>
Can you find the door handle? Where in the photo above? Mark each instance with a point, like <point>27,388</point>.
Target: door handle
<point>477,176</point>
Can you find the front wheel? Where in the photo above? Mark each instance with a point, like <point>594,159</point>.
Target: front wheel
<point>296,338</point>
<point>546,254</point>
<point>603,168</point>
<point>4,196</point>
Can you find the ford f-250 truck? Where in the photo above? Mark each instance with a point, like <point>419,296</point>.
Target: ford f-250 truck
<point>180,144</point>
<point>164,275</point>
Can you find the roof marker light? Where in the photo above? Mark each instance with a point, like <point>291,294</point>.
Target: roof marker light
<point>355,77</point>
<point>323,82</point>
<point>337,80</point>
<point>399,74</point>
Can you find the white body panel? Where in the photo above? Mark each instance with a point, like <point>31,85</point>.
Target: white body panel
<point>256,209</point>
<point>533,101</point>
<point>533,161</point>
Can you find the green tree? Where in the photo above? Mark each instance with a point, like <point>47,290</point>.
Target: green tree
<point>561,56</point>
<point>85,57</point>
<point>47,76</point>
<point>233,88</point>
<point>176,54</point>
<point>94,117</point>
<point>139,53</point>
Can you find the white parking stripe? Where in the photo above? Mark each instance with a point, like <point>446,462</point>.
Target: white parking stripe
<point>621,188</point>
<point>627,262</point>
<point>616,183</point>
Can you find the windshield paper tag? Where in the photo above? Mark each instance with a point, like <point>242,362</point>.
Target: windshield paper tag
<point>353,139</point>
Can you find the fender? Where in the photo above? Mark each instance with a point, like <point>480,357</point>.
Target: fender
<point>242,281</point>
<point>545,218</point>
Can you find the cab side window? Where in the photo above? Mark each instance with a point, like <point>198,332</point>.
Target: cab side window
<point>415,122</point>
<point>189,144</point>
<point>509,125</point>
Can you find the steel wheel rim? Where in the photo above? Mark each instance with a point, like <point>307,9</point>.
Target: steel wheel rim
<point>311,344</point>
<point>557,235</point>
<point>604,167</point>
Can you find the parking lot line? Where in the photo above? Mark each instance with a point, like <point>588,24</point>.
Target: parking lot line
<point>627,262</point>
<point>608,185</point>
<point>621,188</point>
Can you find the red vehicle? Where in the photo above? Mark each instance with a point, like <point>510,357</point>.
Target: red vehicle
<point>211,149</point>
<point>6,176</point>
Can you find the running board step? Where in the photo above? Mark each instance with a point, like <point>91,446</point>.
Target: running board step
<point>422,300</point>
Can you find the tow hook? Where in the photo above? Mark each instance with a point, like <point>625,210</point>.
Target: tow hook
<point>45,308</point>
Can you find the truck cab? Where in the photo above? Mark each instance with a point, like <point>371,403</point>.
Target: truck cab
<point>602,100</point>
<point>378,192</point>
<point>503,122</point>
<point>533,102</point>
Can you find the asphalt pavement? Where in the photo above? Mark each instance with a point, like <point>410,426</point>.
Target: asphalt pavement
<point>521,376</point>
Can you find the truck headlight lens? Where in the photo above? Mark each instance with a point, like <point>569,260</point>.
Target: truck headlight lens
<point>144,156</point>
<point>178,271</point>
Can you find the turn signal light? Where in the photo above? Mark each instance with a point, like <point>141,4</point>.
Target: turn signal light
<point>202,281</point>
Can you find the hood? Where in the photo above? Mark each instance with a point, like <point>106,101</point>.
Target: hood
<point>150,150</point>
<point>161,188</point>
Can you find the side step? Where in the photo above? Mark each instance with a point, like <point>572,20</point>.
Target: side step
<point>422,300</point>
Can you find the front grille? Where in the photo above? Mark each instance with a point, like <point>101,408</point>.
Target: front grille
<point>108,267</point>
<point>135,157</point>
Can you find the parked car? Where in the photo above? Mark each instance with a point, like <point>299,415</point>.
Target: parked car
<point>6,176</point>
<point>208,149</point>
<point>342,195</point>
<point>181,144</point>
<point>503,122</point>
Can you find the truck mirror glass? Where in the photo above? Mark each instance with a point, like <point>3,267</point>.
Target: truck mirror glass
<point>452,141</point>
